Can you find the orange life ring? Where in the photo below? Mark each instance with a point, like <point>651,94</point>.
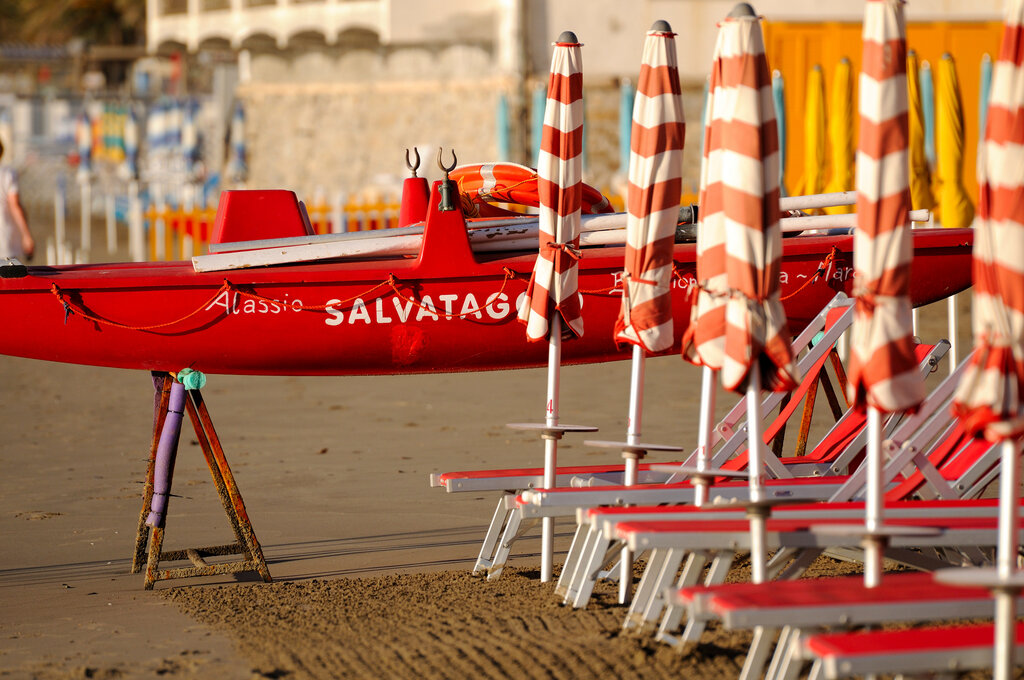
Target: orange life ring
<point>485,183</point>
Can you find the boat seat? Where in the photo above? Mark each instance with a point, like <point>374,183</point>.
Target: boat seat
<point>258,214</point>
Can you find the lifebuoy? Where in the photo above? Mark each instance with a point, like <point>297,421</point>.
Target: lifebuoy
<point>485,183</point>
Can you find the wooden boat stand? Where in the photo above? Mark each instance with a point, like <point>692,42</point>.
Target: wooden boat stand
<point>245,543</point>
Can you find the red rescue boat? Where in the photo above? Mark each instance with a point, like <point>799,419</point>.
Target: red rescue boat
<point>444,309</point>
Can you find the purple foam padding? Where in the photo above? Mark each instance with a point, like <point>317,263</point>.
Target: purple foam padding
<point>166,452</point>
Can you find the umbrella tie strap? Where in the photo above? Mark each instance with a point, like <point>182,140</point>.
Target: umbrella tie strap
<point>823,268</point>
<point>567,248</point>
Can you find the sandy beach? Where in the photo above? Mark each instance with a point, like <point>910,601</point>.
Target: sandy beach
<point>370,565</point>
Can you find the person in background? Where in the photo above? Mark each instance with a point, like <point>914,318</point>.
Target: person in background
<point>15,238</point>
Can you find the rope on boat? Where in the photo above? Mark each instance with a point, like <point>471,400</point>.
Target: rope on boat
<point>393,282</point>
<point>823,268</point>
<point>71,308</point>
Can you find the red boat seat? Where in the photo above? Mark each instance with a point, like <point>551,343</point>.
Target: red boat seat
<point>257,214</point>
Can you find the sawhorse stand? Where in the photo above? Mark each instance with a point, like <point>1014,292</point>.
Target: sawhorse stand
<point>245,544</point>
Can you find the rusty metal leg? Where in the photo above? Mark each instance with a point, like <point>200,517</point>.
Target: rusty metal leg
<point>806,416</point>
<point>211,463</point>
<point>246,544</point>
<point>833,399</point>
<point>780,439</point>
<point>239,518</point>
<point>837,366</point>
<point>156,542</point>
<point>159,415</point>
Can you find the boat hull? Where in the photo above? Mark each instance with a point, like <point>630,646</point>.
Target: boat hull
<point>345,318</point>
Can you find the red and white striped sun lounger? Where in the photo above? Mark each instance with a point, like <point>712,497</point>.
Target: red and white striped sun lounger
<point>911,436</point>
<point>841,444</point>
<point>668,554</point>
<point>805,606</point>
<point>834,320</point>
<point>729,435</point>
<point>603,542</point>
<point>804,533</point>
<point>949,649</point>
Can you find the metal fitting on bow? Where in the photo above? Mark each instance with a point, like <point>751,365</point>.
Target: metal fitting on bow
<point>447,188</point>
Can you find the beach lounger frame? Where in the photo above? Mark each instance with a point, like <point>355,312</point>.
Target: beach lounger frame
<point>834,319</point>
<point>788,563</point>
<point>533,504</point>
<point>938,650</point>
<point>801,609</point>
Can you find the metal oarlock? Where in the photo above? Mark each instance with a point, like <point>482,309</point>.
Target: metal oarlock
<point>246,545</point>
<point>414,165</point>
<point>448,189</point>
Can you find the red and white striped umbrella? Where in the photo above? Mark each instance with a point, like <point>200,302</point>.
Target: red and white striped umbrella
<point>655,185</point>
<point>883,371</point>
<point>989,398</point>
<point>553,285</point>
<point>738,325</point>
<point>552,305</point>
<point>738,322</point>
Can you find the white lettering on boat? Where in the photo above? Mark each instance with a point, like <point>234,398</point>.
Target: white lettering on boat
<point>399,310</point>
<point>235,303</point>
<point>426,308</point>
<point>685,282</point>
<point>358,312</point>
<point>497,307</point>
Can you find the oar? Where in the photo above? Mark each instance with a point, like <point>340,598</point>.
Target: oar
<point>598,230</point>
<point>589,222</point>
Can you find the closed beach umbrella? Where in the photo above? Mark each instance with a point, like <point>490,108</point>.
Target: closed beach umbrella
<point>627,97</point>
<point>237,153</point>
<point>989,401</point>
<point>703,340</point>
<point>920,173</point>
<point>551,307</point>
<point>928,109</point>
<point>83,142</point>
<point>131,144</point>
<point>883,375</point>
<point>779,97</point>
<point>955,208</point>
<point>553,286</point>
<point>740,241</point>
<point>840,134</point>
<point>655,186</point>
<point>814,133</point>
<point>984,92</point>
<point>189,136</point>
<point>155,127</point>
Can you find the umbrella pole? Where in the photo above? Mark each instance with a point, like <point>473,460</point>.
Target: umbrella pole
<point>758,553</point>
<point>551,443</point>
<point>705,431</point>
<point>1006,561</point>
<point>636,407</point>
<point>873,507</point>
<point>953,323</point>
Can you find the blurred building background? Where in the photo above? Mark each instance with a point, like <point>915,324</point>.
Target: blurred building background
<point>326,95</point>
